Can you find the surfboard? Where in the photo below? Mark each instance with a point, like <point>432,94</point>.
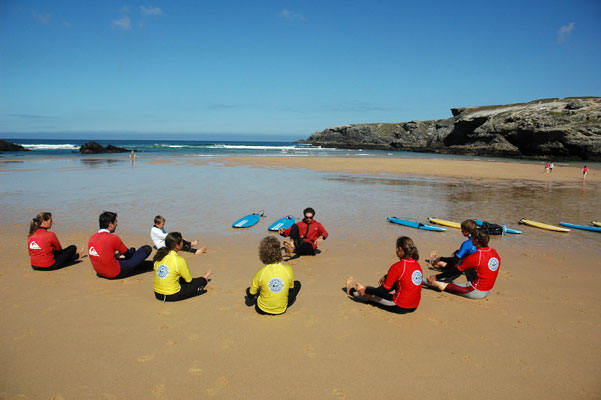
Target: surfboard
<point>543,226</point>
<point>414,224</point>
<point>444,222</point>
<point>507,230</point>
<point>596,223</point>
<point>583,227</point>
<point>248,221</point>
<point>282,223</point>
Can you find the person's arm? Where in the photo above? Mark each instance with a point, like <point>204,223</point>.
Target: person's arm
<point>254,286</point>
<point>285,232</point>
<point>184,271</point>
<point>55,242</point>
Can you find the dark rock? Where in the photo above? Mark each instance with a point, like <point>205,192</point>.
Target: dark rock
<point>566,128</point>
<point>8,146</point>
<point>95,148</point>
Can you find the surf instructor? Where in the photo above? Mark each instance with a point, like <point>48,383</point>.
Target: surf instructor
<point>305,235</point>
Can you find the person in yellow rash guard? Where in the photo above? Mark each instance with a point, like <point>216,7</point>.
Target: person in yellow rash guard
<point>172,280</point>
<point>274,283</point>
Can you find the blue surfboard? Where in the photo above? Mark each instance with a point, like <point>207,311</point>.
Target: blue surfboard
<point>583,227</point>
<point>507,230</point>
<point>282,223</point>
<point>248,221</point>
<point>416,225</point>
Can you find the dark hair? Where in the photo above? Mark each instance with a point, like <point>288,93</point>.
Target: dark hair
<point>481,237</point>
<point>308,210</point>
<point>171,240</point>
<point>34,225</point>
<point>469,225</point>
<point>270,250</point>
<point>106,218</point>
<point>408,247</point>
<point>158,219</point>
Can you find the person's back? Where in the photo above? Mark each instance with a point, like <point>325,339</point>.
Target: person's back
<point>42,245</point>
<point>274,281</point>
<point>407,274</point>
<point>168,272</point>
<point>486,262</point>
<point>101,249</point>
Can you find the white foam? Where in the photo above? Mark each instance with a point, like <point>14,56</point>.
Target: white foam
<point>50,146</point>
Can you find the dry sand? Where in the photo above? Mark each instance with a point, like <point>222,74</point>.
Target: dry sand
<point>70,335</point>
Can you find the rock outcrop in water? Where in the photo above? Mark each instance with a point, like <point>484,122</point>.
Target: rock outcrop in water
<point>8,146</point>
<point>95,148</point>
<point>559,128</point>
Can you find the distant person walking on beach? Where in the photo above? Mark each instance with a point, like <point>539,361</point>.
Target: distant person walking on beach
<point>45,251</point>
<point>547,167</point>
<point>481,269</point>
<point>306,235</point>
<point>274,284</point>
<point>584,172</point>
<point>551,167</point>
<point>172,280</point>
<point>404,277</point>
<point>158,235</point>
<point>103,245</point>
<point>467,228</point>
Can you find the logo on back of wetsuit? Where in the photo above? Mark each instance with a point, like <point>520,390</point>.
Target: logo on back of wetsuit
<point>493,264</point>
<point>275,285</point>
<point>163,271</point>
<point>34,246</point>
<point>416,278</point>
<point>92,251</point>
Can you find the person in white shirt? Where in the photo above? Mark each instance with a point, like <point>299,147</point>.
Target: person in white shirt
<point>158,235</point>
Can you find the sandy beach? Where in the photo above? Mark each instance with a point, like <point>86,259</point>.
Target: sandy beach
<point>70,335</point>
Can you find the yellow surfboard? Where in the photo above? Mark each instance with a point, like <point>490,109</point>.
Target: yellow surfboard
<point>543,226</point>
<point>444,222</point>
<point>596,223</point>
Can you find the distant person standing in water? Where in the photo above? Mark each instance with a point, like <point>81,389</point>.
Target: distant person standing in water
<point>547,167</point>
<point>584,172</point>
<point>45,251</point>
<point>551,167</point>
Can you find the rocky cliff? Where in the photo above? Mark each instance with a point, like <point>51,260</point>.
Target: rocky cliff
<point>8,146</point>
<point>95,148</point>
<point>558,128</point>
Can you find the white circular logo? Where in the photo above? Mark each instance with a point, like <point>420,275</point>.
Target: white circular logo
<point>416,277</point>
<point>163,271</point>
<point>493,264</point>
<point>275,285</point>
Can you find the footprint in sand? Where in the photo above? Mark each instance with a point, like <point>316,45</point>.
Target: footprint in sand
<point>56,397</point>
<point>311,321</point>
<point>195,371</point>
<point>194,336</point>
<point>338,394</point>
<point>310,351</point>
<point>145,358</point>
<point>171,343</point>
<point>221,384</point>
<point>164,327</point>
<point>158,390</point>
<point>227,343</point>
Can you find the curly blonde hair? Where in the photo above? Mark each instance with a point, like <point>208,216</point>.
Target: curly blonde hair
<point>270,250</point>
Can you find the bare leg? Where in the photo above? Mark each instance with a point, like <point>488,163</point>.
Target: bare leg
<point>201,250</point>
<point>289,247</point>
<point>194,243</point>
<point>208,274</point>
<point>349,285</point>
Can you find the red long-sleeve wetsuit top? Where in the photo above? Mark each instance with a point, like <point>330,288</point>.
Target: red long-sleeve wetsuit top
<point>315,230</point>
<point>42,245</point>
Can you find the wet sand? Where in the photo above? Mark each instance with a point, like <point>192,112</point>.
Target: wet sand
<point>70,335</point>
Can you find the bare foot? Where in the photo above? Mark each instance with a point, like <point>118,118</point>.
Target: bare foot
<point>433,257</point>
<point>201,250</point>
<point>349,285</point>
<point>360,288</point>
<point>438,285</point>
<point>206,276</point>
<point>289,248</point>
<point>80,253</point>
<point>194,243</point>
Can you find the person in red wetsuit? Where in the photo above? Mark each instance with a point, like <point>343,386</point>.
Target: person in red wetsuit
<point>45,251</point>
<point>306,235</point>
<point>404,277</point>
<point>103,246</point>
<point>481,268</point>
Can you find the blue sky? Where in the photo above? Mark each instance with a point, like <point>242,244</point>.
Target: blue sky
<point>184,69</point>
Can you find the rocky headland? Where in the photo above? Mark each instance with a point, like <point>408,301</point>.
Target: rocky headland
<point>95,148</point>
<point>8,146</point>
<point>550,128</point>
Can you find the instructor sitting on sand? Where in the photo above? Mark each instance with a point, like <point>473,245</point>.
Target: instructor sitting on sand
<point>103,245</point>
<point>481,268</point>
<point>306,235</point>
<point>45,251</point>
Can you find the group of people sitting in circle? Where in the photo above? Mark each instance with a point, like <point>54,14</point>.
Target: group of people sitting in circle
<point>273,288</point>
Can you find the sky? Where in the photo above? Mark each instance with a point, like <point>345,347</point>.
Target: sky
<point>281,69</point>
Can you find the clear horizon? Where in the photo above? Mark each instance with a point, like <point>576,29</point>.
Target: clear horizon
<point>285,70</point>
